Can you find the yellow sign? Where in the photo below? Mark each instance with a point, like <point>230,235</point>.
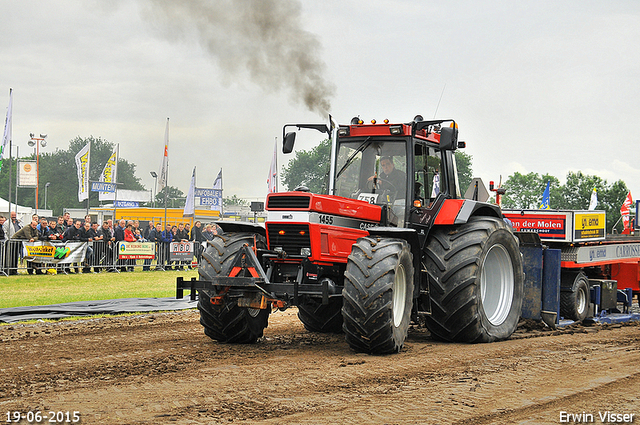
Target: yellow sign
<point>40,250</point>
<point>589,225</point>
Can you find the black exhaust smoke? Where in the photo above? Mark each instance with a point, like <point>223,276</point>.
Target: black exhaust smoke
<point>263,39</point>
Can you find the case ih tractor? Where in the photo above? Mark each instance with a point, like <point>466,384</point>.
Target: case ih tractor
<point>389,243</point>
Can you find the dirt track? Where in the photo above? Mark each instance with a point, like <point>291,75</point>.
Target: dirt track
<point>161,368</point>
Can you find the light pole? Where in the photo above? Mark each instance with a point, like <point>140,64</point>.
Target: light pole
<point>37,142</point>
<point>155,186</point>
<point>46,186</point>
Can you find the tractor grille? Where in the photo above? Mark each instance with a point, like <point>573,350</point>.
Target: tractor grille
<point>286,202</point>
<point>289,237</point>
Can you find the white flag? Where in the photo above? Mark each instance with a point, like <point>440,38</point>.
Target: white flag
<point>217,183</point>
<point>594,200</point>
<point>6,138</point>
<point>217,186</point>
<point>273,170</point>
<point>82,163</point>
<point>164,168</point>
<point>110,175</point>
<point>190,202</point>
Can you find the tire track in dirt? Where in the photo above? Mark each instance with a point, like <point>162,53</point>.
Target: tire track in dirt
<point>161,368</point>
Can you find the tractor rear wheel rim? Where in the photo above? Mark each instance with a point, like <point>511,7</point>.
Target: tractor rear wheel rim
<point>497,284</point>
<point>399,295</point>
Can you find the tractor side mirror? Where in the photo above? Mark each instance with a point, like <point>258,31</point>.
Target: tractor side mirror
<point>448,138</point>
<point>288,142</point>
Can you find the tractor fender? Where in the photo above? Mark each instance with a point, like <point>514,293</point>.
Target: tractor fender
<point>409,235</point>
<point>459,211</point>
<point>242,227</point>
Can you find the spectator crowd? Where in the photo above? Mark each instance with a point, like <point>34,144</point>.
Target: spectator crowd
<point>101,241</point>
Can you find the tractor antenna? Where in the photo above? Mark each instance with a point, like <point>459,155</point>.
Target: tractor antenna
<point>438,105</point>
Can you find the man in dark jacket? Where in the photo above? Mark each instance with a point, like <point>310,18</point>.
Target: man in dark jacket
<point>107,239</point>
<point>155,236</point>
<point>71,234</point>
<point>85,235</point>
<point>118,234</point>
<point>167,238</point>
<point>28,233</point>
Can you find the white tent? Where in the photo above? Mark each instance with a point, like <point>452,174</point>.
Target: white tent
<point>23,213</point>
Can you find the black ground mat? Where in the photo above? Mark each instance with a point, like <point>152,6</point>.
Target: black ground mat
<point>88,308</point>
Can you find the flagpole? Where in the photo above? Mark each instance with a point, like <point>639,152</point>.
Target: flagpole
<point>166,183</point>
<point>8,132</point>
<point>10,161</point>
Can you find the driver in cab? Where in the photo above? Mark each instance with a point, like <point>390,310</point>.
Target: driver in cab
<point>390,178</point>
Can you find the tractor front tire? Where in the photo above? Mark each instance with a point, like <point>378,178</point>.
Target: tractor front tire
<point>378,295</point>
<point>475,281</point>
<point>227,322</point>
<point>318,317</point>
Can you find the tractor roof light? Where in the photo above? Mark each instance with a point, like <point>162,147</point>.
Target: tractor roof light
<point>386,121</point>
<point>395,129</point>
<point>356,121</point>
<point>373,121</point>
<point>343,131</point>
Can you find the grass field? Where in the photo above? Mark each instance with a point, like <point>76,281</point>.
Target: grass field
<point>29,290</point>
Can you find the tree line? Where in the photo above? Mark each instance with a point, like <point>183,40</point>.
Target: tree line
<point>58,168</point>
<point>523,191</point>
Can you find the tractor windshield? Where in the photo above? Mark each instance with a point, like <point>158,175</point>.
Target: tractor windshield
<point>374,171</point>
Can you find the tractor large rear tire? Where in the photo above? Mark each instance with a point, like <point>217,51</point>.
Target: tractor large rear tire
<point>574,296</point>
<point>228,322</point>
<point>318,317</point>
<point>378,295</point>
<point>475,281</point>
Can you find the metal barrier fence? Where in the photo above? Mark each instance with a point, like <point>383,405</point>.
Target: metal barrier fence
<point>101,256</point>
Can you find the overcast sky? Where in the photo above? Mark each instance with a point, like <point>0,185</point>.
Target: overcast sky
<point>535,86</point>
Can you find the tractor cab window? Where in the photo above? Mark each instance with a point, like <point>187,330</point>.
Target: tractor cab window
<point>427,174</point>
<point>375,172</point>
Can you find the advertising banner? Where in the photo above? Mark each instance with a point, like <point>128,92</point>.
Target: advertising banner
<point>55,252</point>
<point>27,174</point>
<point>136,250</point>
<point>181,251</point>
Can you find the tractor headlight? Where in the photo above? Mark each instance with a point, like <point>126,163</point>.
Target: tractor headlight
<point>305,252</point>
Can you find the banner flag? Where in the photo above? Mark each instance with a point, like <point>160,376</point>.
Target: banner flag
<point>82,163</point>
<point>110,175</point>
<point>273,171</point>
<point>545,197</point>
<point>164,168</point>
<point>624,210</point>
<point>594,200</point>
<point>190,202</point>
<point>217,200</point>
<point>6,138</point>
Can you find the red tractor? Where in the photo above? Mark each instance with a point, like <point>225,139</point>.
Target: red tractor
<point>389,243</point>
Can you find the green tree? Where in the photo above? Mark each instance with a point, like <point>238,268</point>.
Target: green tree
<point>465,172</point>
<point>577,191</point>
<point>525,191</point>
<point>309,168</point>
<point>234,201</point>
<point>59,169</point>
<point>174,196</point>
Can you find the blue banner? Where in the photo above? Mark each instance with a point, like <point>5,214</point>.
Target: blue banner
<point>103,187</point>
<point>127,204</point>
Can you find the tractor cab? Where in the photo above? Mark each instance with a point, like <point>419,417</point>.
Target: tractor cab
<point>400,166</point>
